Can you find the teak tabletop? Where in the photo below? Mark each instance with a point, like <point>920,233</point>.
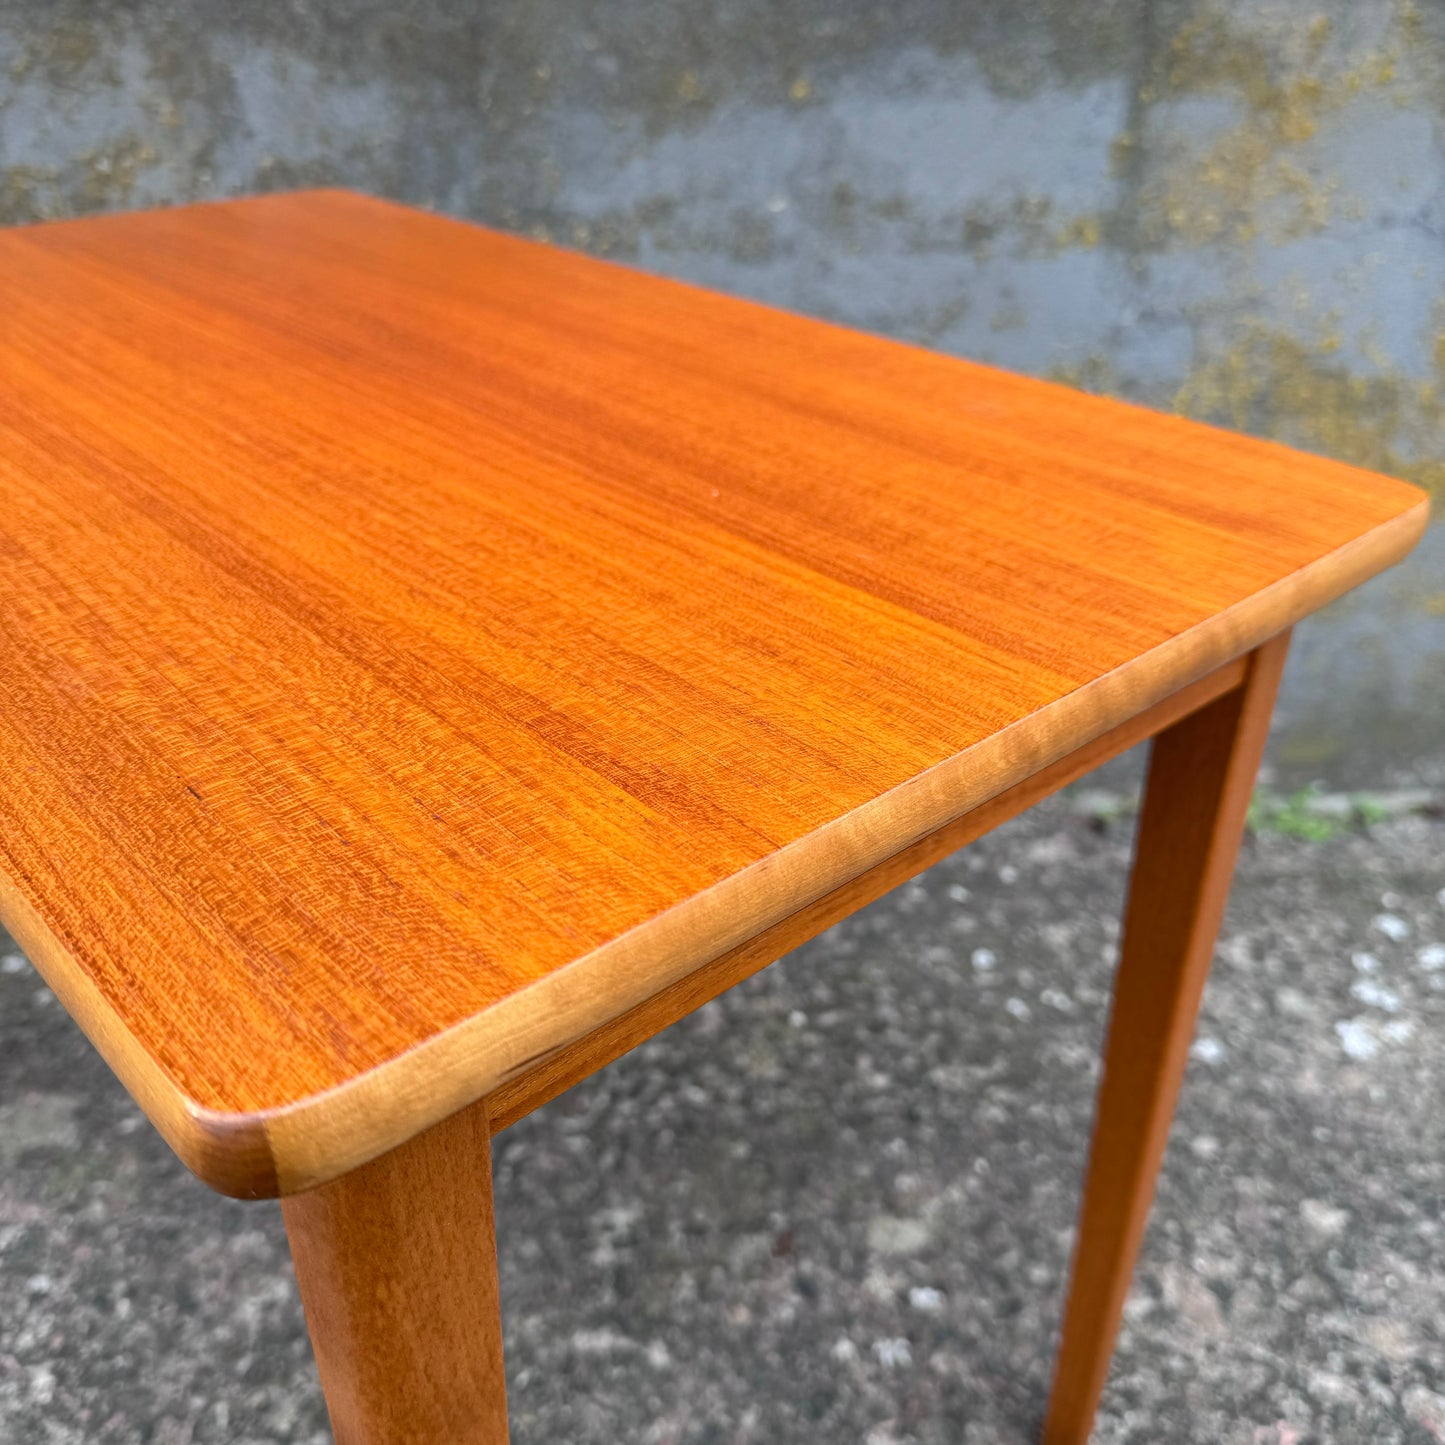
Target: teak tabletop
<point>420,648</point>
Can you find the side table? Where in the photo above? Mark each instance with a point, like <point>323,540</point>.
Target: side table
<point>432,662</point>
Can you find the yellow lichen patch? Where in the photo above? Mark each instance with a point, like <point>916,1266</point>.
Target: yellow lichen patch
<point>110,174</point>
<point>800,90</point>
<point>1236,189</point>
<point>1274,384</point>
<point>1029,225</point>
<point>1210,54</point>
<point>1410,23</point>
<point>1255,177</point>
<point>1082,231</point>
<point>1373,72</point>
<point>1123,152</point>
<point>61,53</point>
<point>1300,103</point>
<point>23,193</point>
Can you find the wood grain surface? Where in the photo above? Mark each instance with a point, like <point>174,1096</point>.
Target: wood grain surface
<point>420,646</point>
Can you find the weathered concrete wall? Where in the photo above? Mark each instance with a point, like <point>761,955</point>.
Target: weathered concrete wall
<point>1235,209</point>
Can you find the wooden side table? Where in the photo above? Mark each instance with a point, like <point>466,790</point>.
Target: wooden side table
<point>431,663</point>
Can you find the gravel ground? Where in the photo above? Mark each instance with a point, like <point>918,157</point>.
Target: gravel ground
<point>836,1204</point>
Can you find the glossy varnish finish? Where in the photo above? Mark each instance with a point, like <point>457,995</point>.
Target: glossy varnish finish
<point>419,647</point>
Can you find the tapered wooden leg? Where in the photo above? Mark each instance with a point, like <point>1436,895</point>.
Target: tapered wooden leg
<point>397,1263</point>
<point>1201,774</point>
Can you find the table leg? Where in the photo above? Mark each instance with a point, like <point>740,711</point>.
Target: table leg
<point>397,1263</point>
<point>1201,774</point>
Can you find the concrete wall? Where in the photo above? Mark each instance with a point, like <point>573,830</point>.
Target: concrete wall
<point>1232,209</point>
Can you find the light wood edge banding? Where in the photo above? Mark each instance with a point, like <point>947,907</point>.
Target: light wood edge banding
<point>230,1152</point>
<point>298,1146</point>
<point>529,1089</point>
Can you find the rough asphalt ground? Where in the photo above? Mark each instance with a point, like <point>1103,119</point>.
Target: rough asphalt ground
<point>836,1204</point>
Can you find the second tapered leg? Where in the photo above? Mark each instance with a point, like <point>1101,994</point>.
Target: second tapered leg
<point>1201,774</point>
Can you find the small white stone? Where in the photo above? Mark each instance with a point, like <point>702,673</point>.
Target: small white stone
<point>38,1284</point>
<point>1204,1146</point>
<point>879,1285</point>
<point>1392,1338</point>
<point>1334,1389</point>
<point>1018,1008</point>
<point>1392,926</point>
<point>1365,962</point>
<point>1431,957</point>
<point>1375,995</point>
<point>1008,874</point>
<point>13,963</point>
<point>890,1236</point>
<point>893,1354</point>
<point>1323,1220</point>
<point>925,1299</point>
<point>1208,1051</point>
<point>958,893</point>
<point>1057,998</point>
<point>798,1019</point>
<point>602,1341</point>
<point>1397,1031</point>
<point>1186,1292</point>
<point>1390,900</point>
<point>1357,1039</point>
<point>1292,1002</point>
<point>983,959</point>
<point>844,1351</point>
